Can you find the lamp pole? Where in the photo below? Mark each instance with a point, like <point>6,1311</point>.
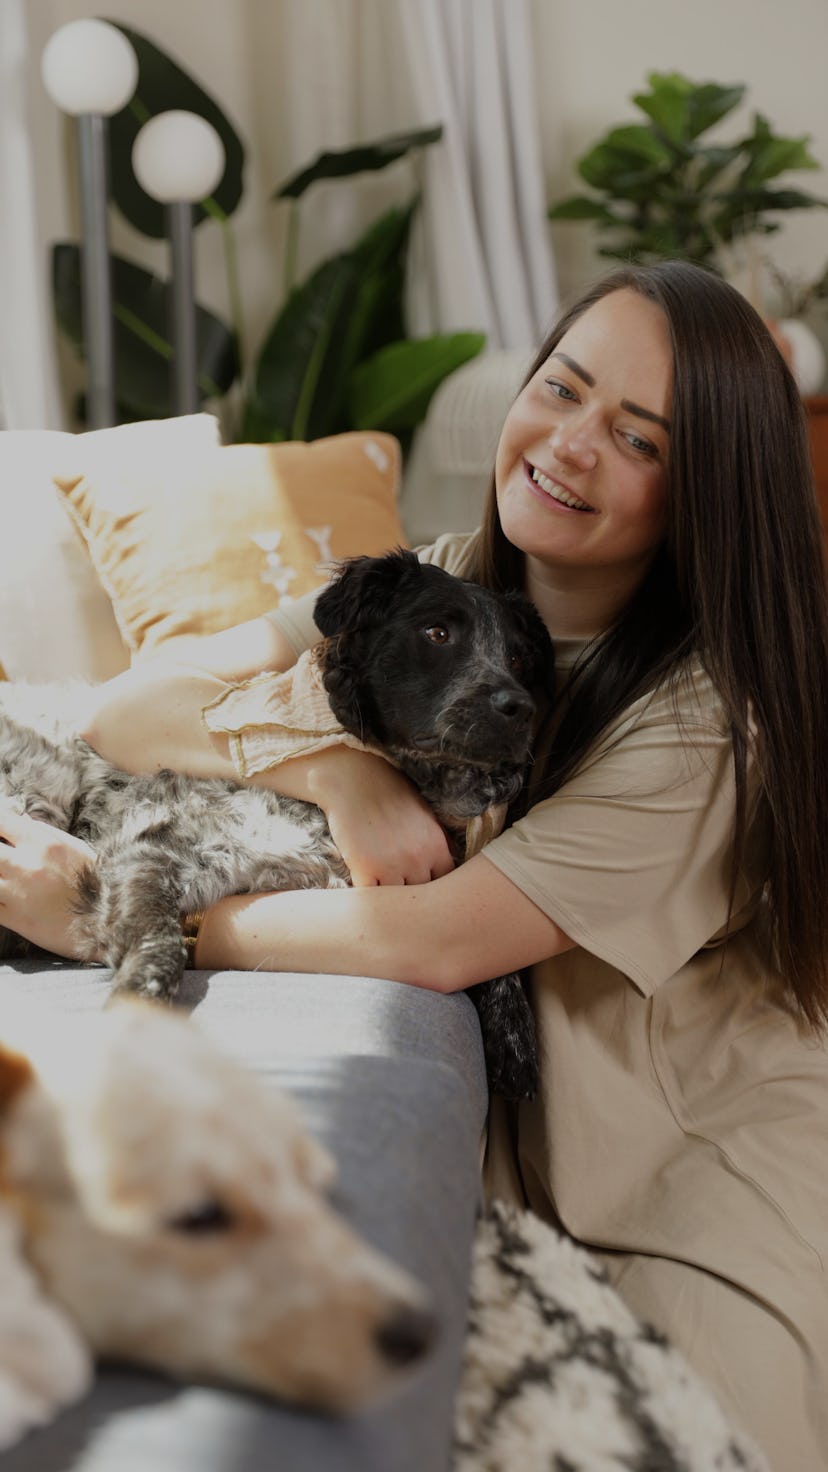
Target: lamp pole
<point>179,159</point>
<point>90,70</point>
<point>96,274</point>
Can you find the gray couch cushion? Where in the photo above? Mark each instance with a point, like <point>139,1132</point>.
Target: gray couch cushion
<point>392,1079</point>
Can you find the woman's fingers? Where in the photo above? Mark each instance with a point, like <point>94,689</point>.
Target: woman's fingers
<point>386,833</point>
<point>39,866</point>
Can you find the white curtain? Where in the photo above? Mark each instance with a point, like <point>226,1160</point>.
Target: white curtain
<point>357,69</point>
<point>486,245</point>
<point>28,376</point>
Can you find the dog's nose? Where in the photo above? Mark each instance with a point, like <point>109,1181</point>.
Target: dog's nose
<point>406,1335</point>
<point>514,703</point>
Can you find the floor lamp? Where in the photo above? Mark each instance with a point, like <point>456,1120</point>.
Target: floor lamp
<point>179,159</point>
<point>90,70</point>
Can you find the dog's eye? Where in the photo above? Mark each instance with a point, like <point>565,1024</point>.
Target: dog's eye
<point>208,1217</point>
<point>437,633</point>
<point>516,664</point>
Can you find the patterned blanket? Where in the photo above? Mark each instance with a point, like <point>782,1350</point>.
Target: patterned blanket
<point>559,1376</point>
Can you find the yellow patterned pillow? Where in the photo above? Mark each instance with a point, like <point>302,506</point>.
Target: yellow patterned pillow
<point>193,553</point>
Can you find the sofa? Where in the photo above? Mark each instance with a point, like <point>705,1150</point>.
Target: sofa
<point>133,541</point>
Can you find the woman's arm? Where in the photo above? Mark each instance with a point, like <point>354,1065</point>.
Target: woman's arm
<point>150,718</point>
<point>463,928</point>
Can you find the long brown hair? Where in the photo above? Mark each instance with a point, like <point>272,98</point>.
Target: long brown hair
<point>739,580</point>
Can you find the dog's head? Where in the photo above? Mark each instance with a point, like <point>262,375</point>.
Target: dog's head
<point>439,671</point>
<point>175,1208</point>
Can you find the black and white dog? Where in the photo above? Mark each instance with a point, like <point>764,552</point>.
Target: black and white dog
<point>437,671</point>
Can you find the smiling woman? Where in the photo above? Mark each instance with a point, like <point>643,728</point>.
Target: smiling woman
<point>664,875</point>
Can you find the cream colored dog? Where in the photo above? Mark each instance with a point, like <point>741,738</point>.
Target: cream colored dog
<point>160,1204</point>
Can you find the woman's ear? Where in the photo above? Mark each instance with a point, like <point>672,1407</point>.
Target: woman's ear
<point>360,591</point>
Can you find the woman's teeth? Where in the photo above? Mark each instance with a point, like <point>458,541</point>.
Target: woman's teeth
<point>557,493</point>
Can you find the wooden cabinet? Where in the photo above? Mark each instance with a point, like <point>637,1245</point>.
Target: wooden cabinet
<point>817,407</point>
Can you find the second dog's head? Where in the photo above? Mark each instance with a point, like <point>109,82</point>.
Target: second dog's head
<point>175,1209</point>
<point>439,671</point>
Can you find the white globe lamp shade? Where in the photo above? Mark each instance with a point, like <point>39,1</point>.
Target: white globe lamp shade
<point>178,157</point>
<point>89,66</point>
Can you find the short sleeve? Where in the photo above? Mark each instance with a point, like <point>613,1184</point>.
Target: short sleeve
<point>632,857</point>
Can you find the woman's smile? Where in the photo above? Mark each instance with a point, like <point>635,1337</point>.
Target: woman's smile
<point>554,490</point>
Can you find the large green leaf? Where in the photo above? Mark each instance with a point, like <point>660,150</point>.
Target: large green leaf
<point>299,383</point>
<point>626,163</point>
<point>343,162</point>
<point>667,105</point>
<point>581,207</point>
<point>770,154</point>
<point>162,86</point>
<point>683,109</point>
<point>393,389</point>
<point>380,256</point>
<point>348,309</point>
<point>142,346</point>
<point>709,102</point>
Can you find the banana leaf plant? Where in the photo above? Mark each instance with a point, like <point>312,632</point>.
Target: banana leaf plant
<point>322,367</point>
<point>661,188</point>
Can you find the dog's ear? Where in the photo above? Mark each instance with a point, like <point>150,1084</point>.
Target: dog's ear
<point>16,1074</point>
<point>540,671</point>
<point>359,593</point>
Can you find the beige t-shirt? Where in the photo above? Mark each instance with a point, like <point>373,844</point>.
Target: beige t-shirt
<point>682,1112</point>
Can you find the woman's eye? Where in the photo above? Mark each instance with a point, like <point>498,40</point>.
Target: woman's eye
<point>437,633</point>
<point>560,390</point>
<point>203,1220</point>
<point>644,447</point>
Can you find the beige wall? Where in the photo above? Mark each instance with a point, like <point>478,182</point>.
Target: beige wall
<point>591,56</point>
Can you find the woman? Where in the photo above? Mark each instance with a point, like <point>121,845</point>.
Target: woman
<point>666,884</point>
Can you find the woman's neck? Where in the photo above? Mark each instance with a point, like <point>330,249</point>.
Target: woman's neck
<point>577,603</point>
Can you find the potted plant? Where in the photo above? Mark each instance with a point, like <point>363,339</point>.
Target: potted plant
<point>662,188</point>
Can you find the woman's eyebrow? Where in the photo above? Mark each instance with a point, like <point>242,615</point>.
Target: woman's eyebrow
<point>645,414</point>
<point>576,368</point>
<point>627,404</point>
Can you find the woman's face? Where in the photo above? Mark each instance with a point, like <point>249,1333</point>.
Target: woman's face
<point>581,468</point>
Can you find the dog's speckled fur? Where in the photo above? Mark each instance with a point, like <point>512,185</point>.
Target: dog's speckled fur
<point>436,671</point>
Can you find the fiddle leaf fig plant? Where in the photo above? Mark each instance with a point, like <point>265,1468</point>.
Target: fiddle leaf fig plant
<point>662,188</point>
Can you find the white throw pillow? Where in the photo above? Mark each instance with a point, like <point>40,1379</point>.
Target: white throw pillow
<point>56,620</point>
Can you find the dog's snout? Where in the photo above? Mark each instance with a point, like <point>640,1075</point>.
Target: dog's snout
<point>512,702</point>
<point>406,1334</point>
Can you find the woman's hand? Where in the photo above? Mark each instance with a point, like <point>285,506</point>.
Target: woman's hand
<point>380,824</point>
<point>38,868</point>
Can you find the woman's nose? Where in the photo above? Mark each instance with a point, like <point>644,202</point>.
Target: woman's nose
<point>574,444</point>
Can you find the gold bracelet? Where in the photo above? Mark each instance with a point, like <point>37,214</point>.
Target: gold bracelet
<point>190,926</point>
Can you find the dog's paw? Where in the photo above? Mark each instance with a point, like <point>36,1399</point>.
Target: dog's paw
<point>44,1363</point>
<point>509,1040</point>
